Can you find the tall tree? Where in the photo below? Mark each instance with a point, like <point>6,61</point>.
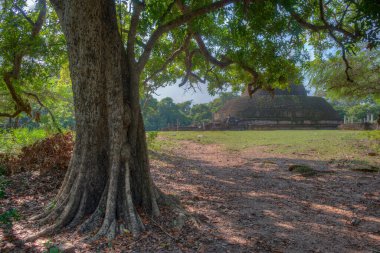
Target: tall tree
<point>221,42</point>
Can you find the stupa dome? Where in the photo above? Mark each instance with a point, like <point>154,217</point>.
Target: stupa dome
<point>290,108</point>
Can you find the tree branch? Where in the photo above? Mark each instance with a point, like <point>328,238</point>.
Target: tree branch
<point>59,7</point>
<point>24,14</point>
<point>137,8</point>
<point>8,77</point>
<point>169,59</point>
<point>252,87</point>
<point>223,63</point>
<point>168,9</point>
<point>340,43</point>
<point>42,105</point>
<point>175,23</point>
<point>205,52</point>
<point>326,26</point>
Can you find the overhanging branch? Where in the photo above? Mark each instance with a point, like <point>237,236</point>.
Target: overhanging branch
<point>169,59</point>
<point>340,43</point>
<point>42,105</point>
<point>24,15</point>
<point>14,73</point>
<point>175,23</point>
<point>223,63</point>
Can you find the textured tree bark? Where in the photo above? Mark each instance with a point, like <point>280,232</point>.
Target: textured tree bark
<point>108,175</point>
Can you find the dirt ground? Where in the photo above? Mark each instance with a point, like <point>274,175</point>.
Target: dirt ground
<point>255,204</point>
<point>239,202</point>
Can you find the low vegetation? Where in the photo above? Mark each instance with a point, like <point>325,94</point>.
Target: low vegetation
<point>36,149</point>
<point>321,144</point>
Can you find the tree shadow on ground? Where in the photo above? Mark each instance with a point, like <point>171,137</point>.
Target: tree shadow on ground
<point>30,192</point>
<point>257,204</point>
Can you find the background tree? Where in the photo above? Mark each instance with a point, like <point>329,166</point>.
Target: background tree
<point>32,50</point>
<point>328,76</point>
<point>259,44</point>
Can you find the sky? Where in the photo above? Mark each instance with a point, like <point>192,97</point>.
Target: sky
<point>179,94</point>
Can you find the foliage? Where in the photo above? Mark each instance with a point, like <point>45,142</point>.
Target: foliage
<point>3,180</point>
<point>9,216</point>
<point>51,247</point>
<point>3,184</point>
<point>260,43</point>
<point>328,76</point>
<point>164,113</point>
<point>161,114</point>
<point>374,137</point>
<point>151,136</point>
<point>201,113</point>
<point>30,42</point>
<point>12,140</point>
<point>51,152</point>
<point>357,110</point>
<point>267,37</point>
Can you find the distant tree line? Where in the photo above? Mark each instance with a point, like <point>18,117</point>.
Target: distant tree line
<point>160,114</point>
<point>166,113</point>
<point>357,110</point>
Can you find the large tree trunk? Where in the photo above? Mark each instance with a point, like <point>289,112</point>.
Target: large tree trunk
<point>109,173</point>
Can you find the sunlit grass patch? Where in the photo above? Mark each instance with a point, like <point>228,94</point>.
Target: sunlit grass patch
<point>315,144</point>
<point>12,140</point>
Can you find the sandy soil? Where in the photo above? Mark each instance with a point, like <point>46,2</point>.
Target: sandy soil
<point>241,202</point>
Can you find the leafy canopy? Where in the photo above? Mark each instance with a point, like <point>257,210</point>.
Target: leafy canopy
<point>254,44</point>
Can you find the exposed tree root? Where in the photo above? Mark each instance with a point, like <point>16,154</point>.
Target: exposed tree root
<point>115,211</point>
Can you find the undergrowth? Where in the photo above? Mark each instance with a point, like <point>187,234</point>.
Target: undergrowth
<point>12,140</point>
<point>45,153</point>
<point>3,182</point>
<point>9,216</point>
<point>374,137</point>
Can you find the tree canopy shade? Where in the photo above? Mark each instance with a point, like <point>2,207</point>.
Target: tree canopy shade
<point>114,47</point>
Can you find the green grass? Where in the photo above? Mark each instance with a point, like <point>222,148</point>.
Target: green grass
<point>326,144</point>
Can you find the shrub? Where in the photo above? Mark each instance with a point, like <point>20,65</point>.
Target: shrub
<point>151,136</point>
<point>52,152</point>
<point>9,216</point>
<point>3,184</point>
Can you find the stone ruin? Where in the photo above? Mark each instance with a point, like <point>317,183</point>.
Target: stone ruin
<point>286,109</point>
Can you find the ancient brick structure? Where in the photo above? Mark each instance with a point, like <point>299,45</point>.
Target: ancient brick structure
<point>287,109</point>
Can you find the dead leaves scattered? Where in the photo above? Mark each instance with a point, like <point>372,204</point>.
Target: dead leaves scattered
<point>52,152</point>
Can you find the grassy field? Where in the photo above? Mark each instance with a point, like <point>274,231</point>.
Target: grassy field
<point>326,144</point>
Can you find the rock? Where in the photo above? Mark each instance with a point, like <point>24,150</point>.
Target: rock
<point>66,248</point>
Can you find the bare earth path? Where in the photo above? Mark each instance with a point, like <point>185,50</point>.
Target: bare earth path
<point>244,201</point>
<point>253,203</point>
